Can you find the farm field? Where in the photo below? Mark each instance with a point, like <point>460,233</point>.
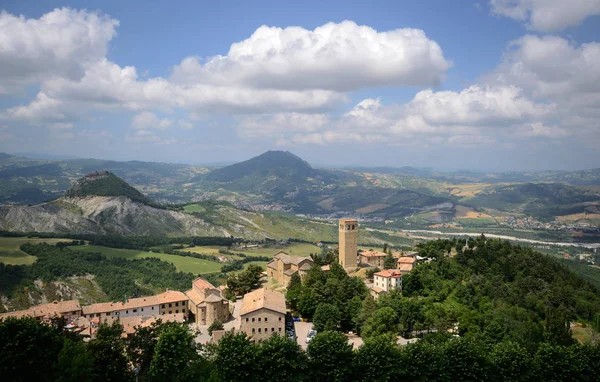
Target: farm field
<point>294,249</point>
<point>11,254</point>
<point>184,264</point>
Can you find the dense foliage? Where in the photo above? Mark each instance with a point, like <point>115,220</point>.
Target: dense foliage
<point>119,278</point>
<point>36,351</point>
<point>104,183</point>
<point>489,290</point>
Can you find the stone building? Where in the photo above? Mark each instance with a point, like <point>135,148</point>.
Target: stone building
<point>386,280</point>
<point>283,266</point>
<point>373,258</point>
<point>206,303</point>
<point>70,310</point>
<point>263,314</point>
<point>169,302</point>
<point>348,242</point>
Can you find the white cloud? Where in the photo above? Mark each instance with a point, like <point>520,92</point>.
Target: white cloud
<point>266,125</point>
<point>185,124</point>
<point>547,15</point>
<point>475,105</point>
<point>338,57</point>
<point>149,120</point>
<point>61,126</point>
<point>470,117</point>
<point>41,109</point>
<point>60,43</point>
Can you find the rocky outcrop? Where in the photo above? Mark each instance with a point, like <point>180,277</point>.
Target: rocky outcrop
<point>104,215</point>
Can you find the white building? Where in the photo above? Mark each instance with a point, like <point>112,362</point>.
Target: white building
<point>385,281</point>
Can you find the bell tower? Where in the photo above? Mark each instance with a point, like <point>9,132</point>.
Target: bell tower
<point>348,239</point>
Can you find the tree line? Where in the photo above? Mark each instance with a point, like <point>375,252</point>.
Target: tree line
<point>488,290</point>
<point>166,351</point>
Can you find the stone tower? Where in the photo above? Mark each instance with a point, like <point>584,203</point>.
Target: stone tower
<point>348,242</point>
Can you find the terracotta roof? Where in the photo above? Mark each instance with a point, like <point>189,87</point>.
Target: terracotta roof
<point>272,264</point>
<point>290,272</point>
<point>55,308</point>
<point>202,284</point>
<point>194,296</point>
<point>263,298</point>
<point>287,259</point>
<point>305,266</point>
<point>129,323</point>
<point>326,268</point>
<point>407,260</point>
<point>213,298</point>
<point>134,303</point>
<point>388,273</point>
<point>378,290</point>
<point>373,254</point>
<point>405,267</point>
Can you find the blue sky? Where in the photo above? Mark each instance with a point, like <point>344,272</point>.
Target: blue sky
<point>489,85</point>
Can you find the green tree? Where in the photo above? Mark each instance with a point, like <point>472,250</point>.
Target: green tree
<point>389,262</point>
<point>281,359</point>
<point>465,359</point>
<point>294,289</point>
<point>173,353</point>
<point>327,317</point>
<point>236,358</point>
<point>330,357</point>
<point>216,325</point>
<point>378,359</point>
<point>511,362</point>
<point>74,363</point>
<point>28,349</point>
<point>383,321</point>
<point>108,360</point>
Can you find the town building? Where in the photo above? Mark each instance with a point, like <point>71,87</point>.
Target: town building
<point>169,302</point>
<point>372,258</point>
<point>263,314</point>
<point>348,243</point>
<point>385,281</point>
<point>70,310</point>
<point>206,303</point>
<point>283,266</point>
<point>406,264</point>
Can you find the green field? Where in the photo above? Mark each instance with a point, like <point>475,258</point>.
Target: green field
<point>294,249</point>
<point>184,264</point>
<point>11,254</point>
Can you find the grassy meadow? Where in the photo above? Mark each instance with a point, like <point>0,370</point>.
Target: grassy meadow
<point>11,254</point>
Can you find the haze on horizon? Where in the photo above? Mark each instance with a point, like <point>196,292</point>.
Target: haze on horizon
<point>482,85</point>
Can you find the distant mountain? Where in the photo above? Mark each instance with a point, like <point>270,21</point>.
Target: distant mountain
<point>4,156</point>
<point>281,164</point>
<point>104,183</point>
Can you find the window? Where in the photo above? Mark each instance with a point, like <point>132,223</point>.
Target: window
<point>135,311</point>
<point>266,330</point>
<point>153,308</point>
<point>170,312</point>
<point>126,312</point>
<point>279,329</point>
<point>247,319</point>
<point>279,319</point>
<point>182,310</point>
<point>272,330</point>
<point>253,330</point>
<point>142,309</point>
<point>177,304</point>
<point>259,330</point>
<point>252,319</point>
<point>266,319</point>
<point>258,319</point>
<point>162,306</point>
<point>169,305</point>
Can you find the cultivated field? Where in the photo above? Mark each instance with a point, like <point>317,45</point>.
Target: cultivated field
<point>184,264</point>
<point>11,254</point>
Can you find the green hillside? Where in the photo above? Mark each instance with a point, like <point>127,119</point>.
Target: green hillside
<point>104,183</point>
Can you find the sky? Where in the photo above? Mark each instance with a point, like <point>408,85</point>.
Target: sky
<point>498,85</point>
